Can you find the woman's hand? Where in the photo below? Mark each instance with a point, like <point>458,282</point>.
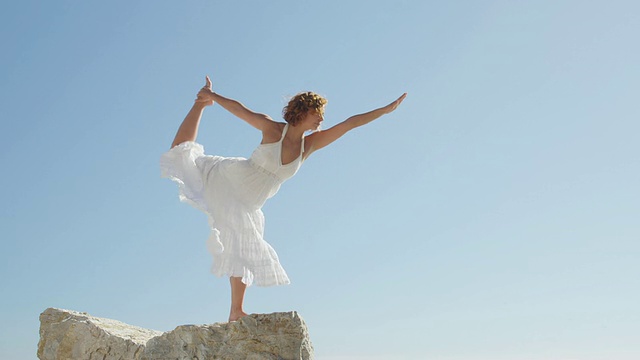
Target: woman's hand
<point>389,108</point>
<point>205,95</point>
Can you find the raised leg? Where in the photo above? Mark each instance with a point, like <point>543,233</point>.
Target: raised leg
<point>237,298</point>
<point>188,130</point>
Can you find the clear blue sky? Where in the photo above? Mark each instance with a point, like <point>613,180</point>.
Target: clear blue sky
<point>495,215</point>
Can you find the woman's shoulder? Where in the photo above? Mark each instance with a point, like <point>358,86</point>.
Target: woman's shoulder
<point>273,132</point>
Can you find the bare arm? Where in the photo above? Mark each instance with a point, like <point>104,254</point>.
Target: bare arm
<point>188,130</point>
<point>259,121</point>
<point>320,139</point>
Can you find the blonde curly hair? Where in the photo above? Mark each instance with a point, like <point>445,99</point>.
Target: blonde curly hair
<point>301,104</point>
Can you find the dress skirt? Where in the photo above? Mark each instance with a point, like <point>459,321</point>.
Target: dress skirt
<point>231,191</point>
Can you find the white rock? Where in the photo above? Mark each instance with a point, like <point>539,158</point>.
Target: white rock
<point>68,334</point>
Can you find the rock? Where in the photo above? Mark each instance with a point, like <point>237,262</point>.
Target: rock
<point>68,334</point>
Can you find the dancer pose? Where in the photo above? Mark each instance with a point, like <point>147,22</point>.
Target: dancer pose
<point>232,191</point>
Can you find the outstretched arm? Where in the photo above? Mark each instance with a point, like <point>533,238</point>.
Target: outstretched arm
<point>257,120</point>
<point>320,139</point>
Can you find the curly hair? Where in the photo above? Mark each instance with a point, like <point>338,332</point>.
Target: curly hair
<point>301,104</point>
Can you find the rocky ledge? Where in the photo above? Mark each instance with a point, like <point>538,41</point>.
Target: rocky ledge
<point>66,334</point>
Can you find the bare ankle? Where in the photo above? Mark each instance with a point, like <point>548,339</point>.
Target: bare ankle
<point>236,315</point>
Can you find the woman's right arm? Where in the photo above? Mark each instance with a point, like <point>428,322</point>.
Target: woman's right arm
<point>259,121</point>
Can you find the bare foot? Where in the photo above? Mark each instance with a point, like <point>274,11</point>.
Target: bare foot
<point>235,316</point>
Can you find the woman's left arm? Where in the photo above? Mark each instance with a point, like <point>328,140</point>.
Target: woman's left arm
<point>322,138</point>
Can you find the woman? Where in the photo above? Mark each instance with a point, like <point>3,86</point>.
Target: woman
<point>232,191</point>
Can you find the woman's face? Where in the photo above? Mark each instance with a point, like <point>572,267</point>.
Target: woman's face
<point>312,120</point>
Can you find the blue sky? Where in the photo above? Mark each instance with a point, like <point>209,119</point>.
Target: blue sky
<point>494,215</point>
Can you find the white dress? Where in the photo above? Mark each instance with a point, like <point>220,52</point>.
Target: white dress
<point>232,191</point>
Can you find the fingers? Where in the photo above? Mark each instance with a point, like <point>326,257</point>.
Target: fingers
<point>400,100</point>
<point>204,95</point>
<point>393,105</point>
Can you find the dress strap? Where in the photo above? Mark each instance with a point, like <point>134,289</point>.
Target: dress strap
<point>284,132</point>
